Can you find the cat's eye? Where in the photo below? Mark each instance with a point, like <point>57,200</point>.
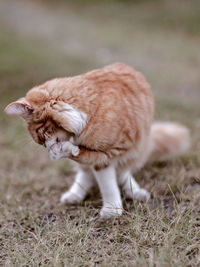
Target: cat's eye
<point>57,140</point>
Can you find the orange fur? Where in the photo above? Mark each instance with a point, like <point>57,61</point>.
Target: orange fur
<point>119,106</point>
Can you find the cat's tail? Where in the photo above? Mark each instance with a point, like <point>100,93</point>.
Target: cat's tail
<point>168,139</point>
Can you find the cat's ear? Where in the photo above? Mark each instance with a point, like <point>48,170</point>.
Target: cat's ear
<point>20,108</point>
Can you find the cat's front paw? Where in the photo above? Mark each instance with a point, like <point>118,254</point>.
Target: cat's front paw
<point>63,150</point>
<point>69,148</point>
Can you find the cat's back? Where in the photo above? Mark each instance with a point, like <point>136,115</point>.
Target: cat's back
<point>116,73</point>
<point>111,76</point>
<point>112,69</point>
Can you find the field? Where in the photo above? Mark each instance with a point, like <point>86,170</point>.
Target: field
<point>40,40</point>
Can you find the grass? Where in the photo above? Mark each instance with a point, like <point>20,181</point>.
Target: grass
<point>35,229</point>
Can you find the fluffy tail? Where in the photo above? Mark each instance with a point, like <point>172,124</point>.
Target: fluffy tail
<point>167,140</point>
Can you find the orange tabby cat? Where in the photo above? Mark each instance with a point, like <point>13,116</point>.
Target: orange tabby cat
<point>102,120</point>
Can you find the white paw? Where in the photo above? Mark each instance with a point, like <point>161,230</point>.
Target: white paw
<point>110,212</point>
<point>140,194</point>
<point>69,148</point>
<point>63,150</point>
<point>70,197</point>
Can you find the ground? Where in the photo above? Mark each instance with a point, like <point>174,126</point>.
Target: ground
<point>41,40</point>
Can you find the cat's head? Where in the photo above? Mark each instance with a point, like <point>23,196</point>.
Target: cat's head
<point>48,120</point>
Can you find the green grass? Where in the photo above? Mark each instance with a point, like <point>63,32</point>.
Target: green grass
<point>35,229</point>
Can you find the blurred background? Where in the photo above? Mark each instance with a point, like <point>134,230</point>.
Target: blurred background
<point>40,40</point>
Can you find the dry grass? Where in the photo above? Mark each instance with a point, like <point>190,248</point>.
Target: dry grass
<point>35,229</point>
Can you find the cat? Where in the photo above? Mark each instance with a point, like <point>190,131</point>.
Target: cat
<point>102,120</point>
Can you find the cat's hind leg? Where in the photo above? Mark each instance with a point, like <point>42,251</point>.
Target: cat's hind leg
<point>131,188</point>
<point>84,180</point>
<point>107,181</point>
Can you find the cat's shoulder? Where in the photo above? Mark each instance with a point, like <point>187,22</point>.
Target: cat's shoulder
<point>115,69</point>
<point>119,67</point>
